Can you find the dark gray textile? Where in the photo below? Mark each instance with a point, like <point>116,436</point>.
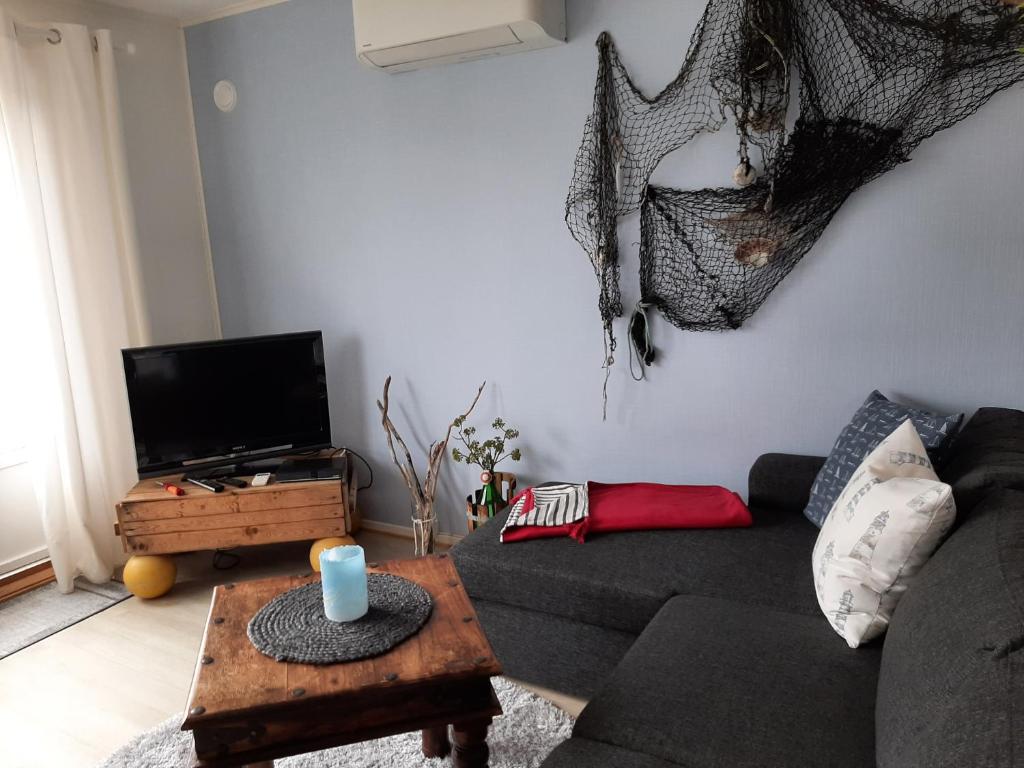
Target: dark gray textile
<point>871,424</point>
<point>293,626</point>
<point>711,684</point>
<point>782,481</point>
<point>620,580</point>
<point>560,576</point>
<point>951,688</point>
<point>987,455</point>
<point>584,753</point>
<point>551,651</point>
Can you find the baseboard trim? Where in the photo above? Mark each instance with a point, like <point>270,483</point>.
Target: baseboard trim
<point>23,561</point>
<point>29,577</point>
<point>448,539</point>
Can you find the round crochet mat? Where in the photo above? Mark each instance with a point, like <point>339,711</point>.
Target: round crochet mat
<point>293,627</point>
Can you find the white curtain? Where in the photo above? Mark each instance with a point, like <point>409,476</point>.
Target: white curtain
<point>70,228</point>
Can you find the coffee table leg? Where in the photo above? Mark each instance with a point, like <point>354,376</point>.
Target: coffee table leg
<point>435,741</point>
<point>470,739</point>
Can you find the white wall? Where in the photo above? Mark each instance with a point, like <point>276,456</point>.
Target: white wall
<point>417,219</point>
<point>164,173</point>
<point>21,530</point>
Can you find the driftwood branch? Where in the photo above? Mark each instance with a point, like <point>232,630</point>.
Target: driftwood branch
<point>422,493</point>
<point>439,450</point>
<point>408,469</point>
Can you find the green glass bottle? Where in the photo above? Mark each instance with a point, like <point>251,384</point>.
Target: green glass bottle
<point>490,499</point>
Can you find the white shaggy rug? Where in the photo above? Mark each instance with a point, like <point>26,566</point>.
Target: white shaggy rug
<point>521,738</point>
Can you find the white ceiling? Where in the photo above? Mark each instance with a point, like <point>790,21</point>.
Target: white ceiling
<point>192,11</point>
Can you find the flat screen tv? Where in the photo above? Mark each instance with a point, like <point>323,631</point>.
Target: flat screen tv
<point>215,403</point>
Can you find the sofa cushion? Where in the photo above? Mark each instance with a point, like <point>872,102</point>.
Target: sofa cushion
<point>871,424</point>
<point>782,480</point>
<point>552,651</point>
<point>951,688</point>
<point>884,526</point>
<point>620,580</point>
<point>987,455</point>
<point>584,753</point>
<point>712,684</point>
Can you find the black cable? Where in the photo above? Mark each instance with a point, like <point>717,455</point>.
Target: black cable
<point>224,559</point>
<point>366,464</point>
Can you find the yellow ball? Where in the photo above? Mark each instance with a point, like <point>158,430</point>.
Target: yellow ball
<point>321,544</point>
<point>149,576</point>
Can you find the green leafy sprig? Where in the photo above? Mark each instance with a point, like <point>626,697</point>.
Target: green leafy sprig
<point>488,453</point>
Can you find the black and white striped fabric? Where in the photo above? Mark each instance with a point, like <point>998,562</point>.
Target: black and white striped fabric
<point>549,505</point>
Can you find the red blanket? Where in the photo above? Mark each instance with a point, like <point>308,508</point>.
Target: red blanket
<point>650,506</point>
<point>612,507</point>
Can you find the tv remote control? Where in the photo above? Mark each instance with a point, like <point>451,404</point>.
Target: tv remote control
<point>210,485</point>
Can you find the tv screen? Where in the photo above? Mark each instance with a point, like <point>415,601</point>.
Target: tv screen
<point>209,403</point>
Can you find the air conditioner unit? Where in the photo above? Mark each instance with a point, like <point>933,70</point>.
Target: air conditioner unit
<point>400,35</point>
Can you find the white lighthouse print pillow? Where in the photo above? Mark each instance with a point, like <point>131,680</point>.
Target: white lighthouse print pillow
<point>884,526</point>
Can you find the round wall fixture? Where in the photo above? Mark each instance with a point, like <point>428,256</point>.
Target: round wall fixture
<point>225,96</point>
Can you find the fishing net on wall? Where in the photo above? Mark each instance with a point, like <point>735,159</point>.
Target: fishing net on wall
<point>709,258</point>
<point>876,77</point>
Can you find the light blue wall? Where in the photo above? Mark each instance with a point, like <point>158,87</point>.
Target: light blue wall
<point>417,219</point>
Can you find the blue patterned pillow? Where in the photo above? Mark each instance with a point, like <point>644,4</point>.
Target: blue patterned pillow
<point>873,422</point>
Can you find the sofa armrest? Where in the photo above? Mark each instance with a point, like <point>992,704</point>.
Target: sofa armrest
<point>782,480</point>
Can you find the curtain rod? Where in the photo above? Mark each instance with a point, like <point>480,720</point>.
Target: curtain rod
<point>53,36</point>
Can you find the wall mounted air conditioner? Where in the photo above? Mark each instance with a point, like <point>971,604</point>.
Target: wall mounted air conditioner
<point>400,35</point>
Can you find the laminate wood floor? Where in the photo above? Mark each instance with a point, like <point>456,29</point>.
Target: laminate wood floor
<point>71,699</point>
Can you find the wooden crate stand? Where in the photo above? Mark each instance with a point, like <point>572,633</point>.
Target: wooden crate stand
<point>150,521</point>
<point>476,514</point>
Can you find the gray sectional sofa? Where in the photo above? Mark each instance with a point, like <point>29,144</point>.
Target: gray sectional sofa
<point>707,649</point>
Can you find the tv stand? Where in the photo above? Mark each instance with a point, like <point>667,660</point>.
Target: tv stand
<point>151,521</point>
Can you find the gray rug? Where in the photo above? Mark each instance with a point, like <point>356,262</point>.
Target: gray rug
<point>41,612</point>
<point>521,738</point>
<point>293,627</point>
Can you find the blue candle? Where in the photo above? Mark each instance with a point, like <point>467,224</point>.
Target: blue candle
<point>343,573</point>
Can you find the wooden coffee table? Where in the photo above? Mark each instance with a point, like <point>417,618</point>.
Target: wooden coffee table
<point>244,708</point>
